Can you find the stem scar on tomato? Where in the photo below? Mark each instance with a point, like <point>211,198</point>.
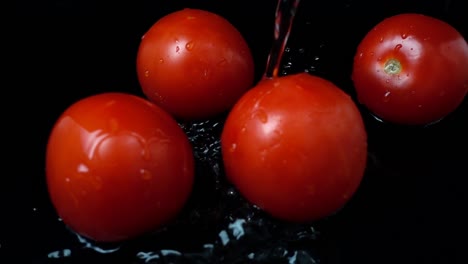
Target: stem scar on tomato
<point>392,66</point>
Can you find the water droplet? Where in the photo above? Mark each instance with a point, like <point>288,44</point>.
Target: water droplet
<point>386,97</point>
<point>398,47</point>
<point>206,74</point>
<point>379,59</point>
<point>176,40</point>
<point>387,81</point>
<point>372,53</point>
<point>222,62</point>
<point>142,37</point>
<point>361,54</point>
<point>189,46</point>
<point>233,147</point>
<point>301,50</point>
<point>146,153</point>
<point>146,174</point>
<point>243,130</point>
<point>426,38</point>
<point>316,58</point>
<point>113,125</point>
<point>177,49</point>
<point>82,168</point>
<point>146,73</point>
<point>381,39</point>
<point>287,49</point>
<point>262,116</point>
<point>161,61</point>
<point>404,36</point>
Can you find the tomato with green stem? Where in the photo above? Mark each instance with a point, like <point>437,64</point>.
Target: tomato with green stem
<point>411,69</point>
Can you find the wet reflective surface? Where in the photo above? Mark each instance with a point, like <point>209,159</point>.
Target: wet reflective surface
<point>410,208</point>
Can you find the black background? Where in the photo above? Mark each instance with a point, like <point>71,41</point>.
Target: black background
<point>410,207</point>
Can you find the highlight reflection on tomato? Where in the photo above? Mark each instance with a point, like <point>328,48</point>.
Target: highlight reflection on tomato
<point>295,146</point>
<point>411,69</point>
<point>117,166</point>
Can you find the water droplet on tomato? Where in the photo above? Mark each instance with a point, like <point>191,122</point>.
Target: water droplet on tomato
<point>233,147</point>
<point>146,154</point>
<point>381,39</point>
<point>404,36</point>
<point>113,125</point>
<point>146,174</point>
<point>398,47</point>
<point>222,62</point>
<point>161,60</point>
<point>142,37</point>
<point>243,130</point>
<point>387,81</point>
<point>146,73</point>
<point>82,168</point>
<point>261,115</point>
<point>361,54</point>
<point>189,45</point>
<point>177,49</point>
<point>386,97</point>
<point>372,53</point>
<point>379,59</point>
<point>206,74</point>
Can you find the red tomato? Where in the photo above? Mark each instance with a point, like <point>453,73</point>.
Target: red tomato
<point>295,146</point>
<point>411,69</point>
<point>194,64</point>
<point>117,166</point>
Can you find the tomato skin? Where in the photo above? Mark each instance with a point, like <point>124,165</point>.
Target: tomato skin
<point>295,146</point>
<point>433,80</point>
<point>194,64</point>
<point>117,166</point>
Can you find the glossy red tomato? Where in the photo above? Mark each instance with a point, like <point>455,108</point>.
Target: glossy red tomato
<point>194,64</point>
<point>295,146</point>
<point>411,69</point>
<point>117,166</point>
